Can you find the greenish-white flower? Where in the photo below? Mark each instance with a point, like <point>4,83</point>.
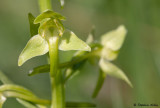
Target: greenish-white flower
<point>50,26</point>
<point>112,42</point>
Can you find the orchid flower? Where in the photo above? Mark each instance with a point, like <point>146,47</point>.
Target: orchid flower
<point>50,26</point>
<point>111,42</point>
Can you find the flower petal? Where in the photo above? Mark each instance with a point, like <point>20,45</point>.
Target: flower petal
<point>91,36</point>
<point>48,14</point>
<point>36,46</point>
<point>69,41</point>
<point>109,54</point>
<point>62,3</point>
<point>112,70</point>
<point>114,39</point>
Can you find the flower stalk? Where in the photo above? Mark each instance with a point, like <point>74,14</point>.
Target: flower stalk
<point>58,98</point>
<point>44,5</point>
<point>57,86</point>
<point>53,53</point>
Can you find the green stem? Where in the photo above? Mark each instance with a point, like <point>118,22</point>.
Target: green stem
<point>56,75</point>
<point>44,5</point>
<point>79,59</point>
<point>58,94</point>
<point>46,68</point>
<point>16,88</point>
<point>53,53</point>
<point>26,97</point>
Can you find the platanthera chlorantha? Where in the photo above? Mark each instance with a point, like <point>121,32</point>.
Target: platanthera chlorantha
<point>50,30</point>
<point>49,35</point>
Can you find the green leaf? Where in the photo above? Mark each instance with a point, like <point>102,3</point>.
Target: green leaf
<point>79,104</point>
<point>7,82</point>
<point>101,78</point>
<point>16,88</point>
<point>114,39</point>
<point>39,69</point>
<point>69,41</point>
<point>44,69</point>
<point>114,71</point>
<point>109,54</point>
<point>33,27</point>
<point>48,14</point>
<point>62,3</point>
<point>36,46</point>
<point>19,95</point>
<point>26,103</point>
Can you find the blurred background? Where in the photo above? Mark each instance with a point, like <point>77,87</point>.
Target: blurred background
<point>139,57</point>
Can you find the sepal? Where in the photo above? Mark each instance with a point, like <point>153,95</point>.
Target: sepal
<point>36,46</point>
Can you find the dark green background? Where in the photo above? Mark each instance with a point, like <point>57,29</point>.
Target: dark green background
<point>139,56</point>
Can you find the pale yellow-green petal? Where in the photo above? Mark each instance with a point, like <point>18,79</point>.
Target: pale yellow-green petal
<point>89,39</point>
<point>114,71</point>
<point>109,54</point>
<point>114,39</point>
<point>69,41</point>
<point>48,14</point>
<point>36,46</point>
<point>91,36</point>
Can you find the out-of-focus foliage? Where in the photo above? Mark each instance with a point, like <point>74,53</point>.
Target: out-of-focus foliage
<point>139,57</point>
